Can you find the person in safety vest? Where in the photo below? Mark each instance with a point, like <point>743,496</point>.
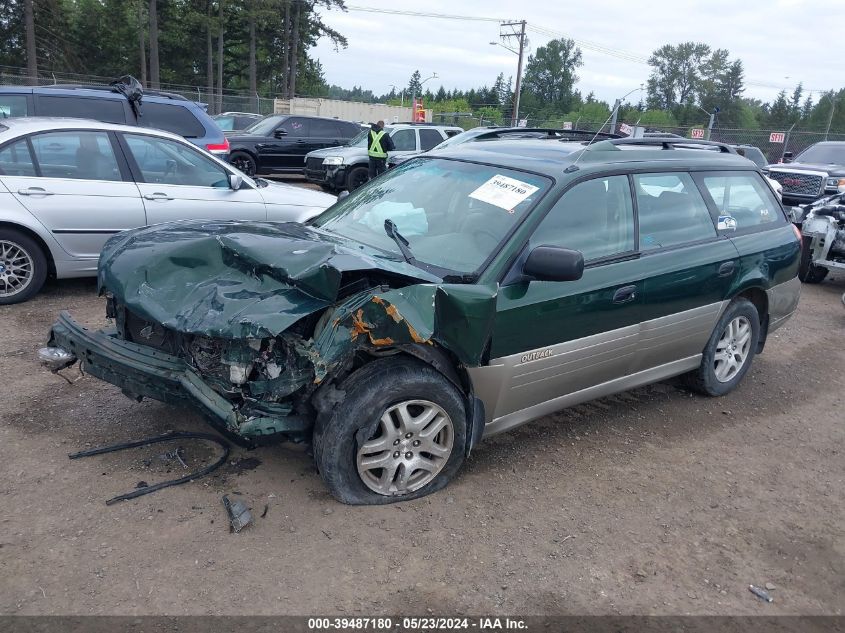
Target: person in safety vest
<point>379,143</point>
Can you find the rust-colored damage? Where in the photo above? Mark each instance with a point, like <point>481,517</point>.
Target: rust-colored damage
<point>393,312</point>
<point>359,326</point>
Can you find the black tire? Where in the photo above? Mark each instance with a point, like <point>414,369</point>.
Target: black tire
<point>373,389</point>
<point>808,272</point>
<point>37,260</point>
<point>244,162</point>
<point>703,379</point>
<point>356,177</point>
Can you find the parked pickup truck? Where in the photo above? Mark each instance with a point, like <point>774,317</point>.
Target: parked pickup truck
<point>816,172</point>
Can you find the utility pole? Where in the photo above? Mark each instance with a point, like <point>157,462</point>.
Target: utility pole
<point>520,50</point>
<point>614,115</point>
<point>830,118</point>
<point>31,51</point>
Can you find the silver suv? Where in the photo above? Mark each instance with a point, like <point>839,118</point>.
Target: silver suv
<point>346,167</point>
<point>67,185</point>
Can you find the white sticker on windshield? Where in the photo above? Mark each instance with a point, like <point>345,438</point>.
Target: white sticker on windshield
<point>503,192</point>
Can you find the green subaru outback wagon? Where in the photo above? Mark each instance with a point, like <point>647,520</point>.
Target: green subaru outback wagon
<point>452,298</point>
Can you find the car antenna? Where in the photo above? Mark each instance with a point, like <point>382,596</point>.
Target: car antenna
<point>615,109</point>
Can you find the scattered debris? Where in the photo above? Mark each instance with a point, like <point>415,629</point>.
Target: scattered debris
<point>770,586</point>
<point>145,490</point>
<point>266,507</point>
<point>760,593</point>
<point>142,484</point>
<point>178,455</point>
<point>239,514</point>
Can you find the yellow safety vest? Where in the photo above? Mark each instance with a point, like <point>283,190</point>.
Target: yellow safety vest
<point>375,150</point>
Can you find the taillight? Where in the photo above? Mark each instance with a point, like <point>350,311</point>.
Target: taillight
<point>218,147</point>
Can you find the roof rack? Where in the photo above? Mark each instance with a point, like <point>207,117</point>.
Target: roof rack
<point>670,143</point>
<point>551,133</point>
<point>154,93</point>
<point>420,123</point>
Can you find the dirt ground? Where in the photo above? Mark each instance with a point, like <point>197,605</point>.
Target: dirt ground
<point>652,502</point>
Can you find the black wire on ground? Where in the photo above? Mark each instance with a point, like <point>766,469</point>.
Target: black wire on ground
<point>155,440</point>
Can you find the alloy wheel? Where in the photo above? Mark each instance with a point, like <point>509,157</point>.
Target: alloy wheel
<point>733,349</point>
<point>412,444</point>
<point>16,268</point>
<point>243,164</point>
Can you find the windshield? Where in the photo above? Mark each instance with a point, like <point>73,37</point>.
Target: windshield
<point>360,140</point>
<point>453,214</point>
<point>823,155</point>
<point>265,126</point>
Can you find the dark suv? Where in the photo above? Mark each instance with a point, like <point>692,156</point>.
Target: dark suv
<point>160,110</point>
<point>816,172</point>
<point>277,144</point>
<point>456,296</point>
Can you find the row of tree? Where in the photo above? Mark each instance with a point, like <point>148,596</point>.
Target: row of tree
<point>254,46</point>
<point>262,47</point>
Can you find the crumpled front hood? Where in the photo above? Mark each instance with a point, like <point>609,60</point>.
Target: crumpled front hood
<point>346,151</point>
<point>234,279</point>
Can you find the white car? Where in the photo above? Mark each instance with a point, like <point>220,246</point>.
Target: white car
<point>67,185</point>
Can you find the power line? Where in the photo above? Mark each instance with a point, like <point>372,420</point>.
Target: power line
<point>424,14</point>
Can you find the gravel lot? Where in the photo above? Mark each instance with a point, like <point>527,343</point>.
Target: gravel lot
<point>652,502</point>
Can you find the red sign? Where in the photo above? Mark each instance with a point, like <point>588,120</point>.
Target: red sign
<point>419,112</point>
<point>776,137</point>
<point>696,132</point>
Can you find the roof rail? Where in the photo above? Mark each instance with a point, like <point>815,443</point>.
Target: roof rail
<point>153,93</point>
<point>670,143</point>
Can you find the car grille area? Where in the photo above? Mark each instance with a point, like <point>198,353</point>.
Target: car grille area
<point>799,183</point>
<point>314,166</point>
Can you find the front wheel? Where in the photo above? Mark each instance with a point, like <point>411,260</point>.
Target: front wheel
<point>808,272</point>
<point>399,434</point>
<point>357,176</point>
<point>730,350</point>
<point>23,267</point>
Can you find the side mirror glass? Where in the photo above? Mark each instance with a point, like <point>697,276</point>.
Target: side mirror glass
<point>280,133</point>
<point>553,263</point>
<point>236,181</point>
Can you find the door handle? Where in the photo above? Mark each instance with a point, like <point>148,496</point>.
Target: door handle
<point>34,191</point>
<point>300,142</point>
<point>157,196</point>
<point>727,269</point>
<point>625,294</point>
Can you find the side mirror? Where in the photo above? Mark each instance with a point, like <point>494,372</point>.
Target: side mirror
<point>280,133</point>
<point>553,263</point>
<point>787,157</point>
<point>342,194</point>
<point>236,181</point>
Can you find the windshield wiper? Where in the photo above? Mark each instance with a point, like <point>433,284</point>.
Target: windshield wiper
<point>401,242</point>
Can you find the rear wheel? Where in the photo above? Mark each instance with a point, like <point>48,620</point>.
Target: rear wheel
<point>808,272</point>
<point>23,267</point>
<point>244,162</point>
<point>400,433</point>
<point>357,177</point>
<point>730,350</point>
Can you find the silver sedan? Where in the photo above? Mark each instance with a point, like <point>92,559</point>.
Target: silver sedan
<point>67,185</point>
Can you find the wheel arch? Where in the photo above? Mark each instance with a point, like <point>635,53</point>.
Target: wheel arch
<point>756,294</point>
<point>33,235</point>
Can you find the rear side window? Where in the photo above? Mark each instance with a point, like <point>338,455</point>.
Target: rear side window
<point>75,154</point>
<point>296,127</point>
<point>324,129</point>
<point>15,160</point>
<point>13,105</point>
<point>404,140</point>
<point>671,211</point>
<point>429,138</point>
<point>171,118</point>
<point>743,200</point>
<point>595,217</point>
<point>106,110</point>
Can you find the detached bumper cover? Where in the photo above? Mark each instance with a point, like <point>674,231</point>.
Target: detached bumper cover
<point>143,371</point>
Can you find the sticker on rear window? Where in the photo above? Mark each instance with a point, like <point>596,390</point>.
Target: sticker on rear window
<point>503,192</point>
<point>726,223</point>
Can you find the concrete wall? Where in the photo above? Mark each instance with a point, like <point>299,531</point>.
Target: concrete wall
<point>346,110</point>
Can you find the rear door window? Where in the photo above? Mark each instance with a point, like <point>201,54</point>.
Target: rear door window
<point>13,105</point>
<point>405,140</point>
<point>106,110</point>
<point>171,118</point>
<point>168,162</point>
<point>671,211</point>
<point>296,127</point>
<point>15,160</point>
<point>429,138</point>
<point>743,201</point>
<point>76,154</point>
<point>324,129</point>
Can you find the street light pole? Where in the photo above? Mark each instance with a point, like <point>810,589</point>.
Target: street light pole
<point>830,118</point>
<point>414,92</point>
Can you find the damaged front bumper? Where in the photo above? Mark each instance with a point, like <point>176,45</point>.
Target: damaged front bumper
<point>142,371</point>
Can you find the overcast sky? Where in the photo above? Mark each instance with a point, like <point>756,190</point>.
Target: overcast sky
<point>780,42</point>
